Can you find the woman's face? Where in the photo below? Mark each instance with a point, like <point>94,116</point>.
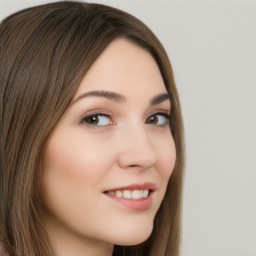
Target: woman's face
<point>107,164</point>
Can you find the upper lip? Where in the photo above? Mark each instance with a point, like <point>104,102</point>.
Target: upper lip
<point>140,186</point>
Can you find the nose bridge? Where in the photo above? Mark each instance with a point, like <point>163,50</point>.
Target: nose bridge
<point>137,149</point>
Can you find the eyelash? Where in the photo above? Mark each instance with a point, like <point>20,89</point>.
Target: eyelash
<point>86,118</point>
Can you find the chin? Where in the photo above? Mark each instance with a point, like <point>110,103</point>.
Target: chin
<point>133,237</point>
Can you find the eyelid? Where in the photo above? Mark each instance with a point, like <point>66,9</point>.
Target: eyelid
<point>161,112</point>
<point>95,112</point>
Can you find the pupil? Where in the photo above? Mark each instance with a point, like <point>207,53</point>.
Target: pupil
<point>93,119</point>
<point>153,119</point>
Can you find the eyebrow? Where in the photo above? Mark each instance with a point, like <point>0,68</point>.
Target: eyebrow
<point>159,98</point>
<point>119,97</point>
<point>105,94</point>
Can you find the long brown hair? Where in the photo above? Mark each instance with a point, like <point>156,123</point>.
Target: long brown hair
<point>45,52</point>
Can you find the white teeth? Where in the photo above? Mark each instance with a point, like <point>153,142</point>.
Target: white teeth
<point>130,194</point>
<point>136,194</point>
<point>145,193</point>
<point>119,193</point>
<point>127,194</point>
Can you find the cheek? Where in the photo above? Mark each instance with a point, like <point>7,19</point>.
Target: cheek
<point>166,152</point>
<point>68,176</point>
<point>62,163</point>
<point>72,160</point>
<point>72,173</point>
<point>73,169</point>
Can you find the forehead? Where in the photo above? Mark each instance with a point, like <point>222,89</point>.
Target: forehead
<point>125,68</point>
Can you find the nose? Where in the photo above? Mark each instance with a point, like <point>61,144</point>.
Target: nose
<point>136,150</point>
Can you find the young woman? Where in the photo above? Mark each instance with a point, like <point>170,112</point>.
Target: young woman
<point>91,135</point>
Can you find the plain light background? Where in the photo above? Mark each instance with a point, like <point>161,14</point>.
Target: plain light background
<point>212,48</point>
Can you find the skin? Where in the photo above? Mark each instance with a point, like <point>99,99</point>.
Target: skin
<point>83,160</point>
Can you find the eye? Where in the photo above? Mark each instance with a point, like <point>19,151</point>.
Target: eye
<point>98,119</point>
<point>159,119</point>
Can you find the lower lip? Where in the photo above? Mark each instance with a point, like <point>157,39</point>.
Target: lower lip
<point>139,204</point>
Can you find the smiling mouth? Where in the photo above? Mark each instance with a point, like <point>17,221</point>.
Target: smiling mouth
<point>137,196</point>
<point>134,191</point>
<point>130,194</point>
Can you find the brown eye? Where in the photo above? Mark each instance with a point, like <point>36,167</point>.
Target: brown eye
<point>97,120</point>
<point>159,119</point>
<point>91,119</point>
<point>152,120</point>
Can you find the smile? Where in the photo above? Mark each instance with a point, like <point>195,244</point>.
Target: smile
<point>130,194</point>
<point>135,196</point>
